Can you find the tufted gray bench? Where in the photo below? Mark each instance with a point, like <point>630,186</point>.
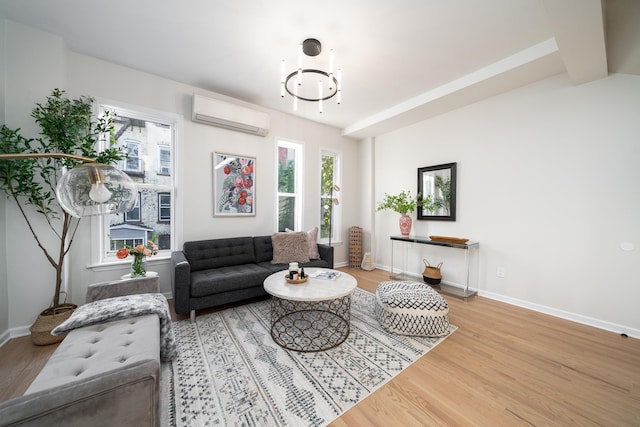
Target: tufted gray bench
<point>101,375</point>
<point>411,308</point>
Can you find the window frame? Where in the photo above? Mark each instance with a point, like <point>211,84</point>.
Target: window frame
<point>100,240</point>
<point>124,163</point>
<point>163,206</point>
<point>336,221</point>
<point>138,207</point>
<point>299,182</point>
<point>161,163</point>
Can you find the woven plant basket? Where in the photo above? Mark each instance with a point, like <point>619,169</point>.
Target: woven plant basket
<point>47,322</point>
<point>431,275</point>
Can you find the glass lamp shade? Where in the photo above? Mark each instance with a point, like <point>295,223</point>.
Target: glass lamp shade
<point>96,189</point>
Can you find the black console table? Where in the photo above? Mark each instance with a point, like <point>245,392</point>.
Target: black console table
<point>443,288</point>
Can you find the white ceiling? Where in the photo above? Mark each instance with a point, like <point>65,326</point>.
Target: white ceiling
<point>402,60</point>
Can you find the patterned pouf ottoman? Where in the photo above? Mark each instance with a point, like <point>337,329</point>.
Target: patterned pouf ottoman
<point>411,308</point>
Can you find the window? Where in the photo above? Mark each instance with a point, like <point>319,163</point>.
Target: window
<point>117,244</point>
<point>134,214</point>
<point>289,185</point>
<point>133,161</point>
<point>164,161</point>
<point>329,199</point>
<point>164,207</point>
<point>149,139</point>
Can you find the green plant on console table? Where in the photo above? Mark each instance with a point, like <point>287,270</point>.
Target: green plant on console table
<point>403,203</point>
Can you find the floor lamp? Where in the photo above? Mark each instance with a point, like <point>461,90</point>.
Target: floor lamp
<point>333,201</point>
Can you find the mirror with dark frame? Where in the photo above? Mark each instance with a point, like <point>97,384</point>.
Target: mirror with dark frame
<point>438,183</point>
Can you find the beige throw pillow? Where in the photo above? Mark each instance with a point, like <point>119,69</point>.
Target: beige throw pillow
<point>290,247</point>
<point>313,242</point>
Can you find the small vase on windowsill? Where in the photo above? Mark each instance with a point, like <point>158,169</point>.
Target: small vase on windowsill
<point>139,266</point>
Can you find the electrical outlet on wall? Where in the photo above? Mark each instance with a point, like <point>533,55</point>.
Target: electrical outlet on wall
<point>500,272</point>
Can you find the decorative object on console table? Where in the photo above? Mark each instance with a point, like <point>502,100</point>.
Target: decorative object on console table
<point>438,185</point>
<point>234,180</point>
<point>460,240</point>
<point>404,203</point>
<point>405,224</point>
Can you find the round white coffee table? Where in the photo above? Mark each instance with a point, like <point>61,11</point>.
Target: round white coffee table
<point>310,316</point>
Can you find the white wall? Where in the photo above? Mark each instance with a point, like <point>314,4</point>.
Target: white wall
<point>35,63</point>
<point>547,183</point>
<point>81,75</point>
<point>547,180</point>
<point>4,289</point>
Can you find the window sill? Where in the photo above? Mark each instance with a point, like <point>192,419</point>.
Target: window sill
<point>333,242</point>
<point>118,264</point>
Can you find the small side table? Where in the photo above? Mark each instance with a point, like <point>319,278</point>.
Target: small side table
<point>149,274</point>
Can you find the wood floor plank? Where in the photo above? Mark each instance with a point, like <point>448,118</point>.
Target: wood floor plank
<point>504,366</point>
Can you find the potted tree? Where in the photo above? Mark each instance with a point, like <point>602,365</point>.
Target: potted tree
<point>404,204</point>
<point>66,127</point>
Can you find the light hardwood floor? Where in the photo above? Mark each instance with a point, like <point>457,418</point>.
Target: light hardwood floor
<point>504,366</point>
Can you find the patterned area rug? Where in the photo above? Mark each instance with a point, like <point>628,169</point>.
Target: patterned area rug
<point>231,373</point>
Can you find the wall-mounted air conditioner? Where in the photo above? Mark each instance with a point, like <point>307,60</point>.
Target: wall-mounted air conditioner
<point>229,116</point>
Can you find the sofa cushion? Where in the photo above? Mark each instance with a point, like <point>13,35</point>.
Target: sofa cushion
<point>290,247</point>
<point>223,279</point>
<point>313,242</point>
<point>97,349</point>
<point>263,248</point>
<point>216,253</point>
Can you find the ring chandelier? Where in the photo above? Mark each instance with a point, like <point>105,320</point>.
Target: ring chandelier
<point>308,84</point>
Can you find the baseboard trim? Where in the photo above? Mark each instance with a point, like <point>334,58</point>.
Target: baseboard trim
<point>22,331</point>
<point>12,333</point>
<point>585,320</point>
<point>4,338</point>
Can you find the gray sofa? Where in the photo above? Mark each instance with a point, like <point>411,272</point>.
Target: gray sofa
<point>211,273</point>
<point>105,374</point>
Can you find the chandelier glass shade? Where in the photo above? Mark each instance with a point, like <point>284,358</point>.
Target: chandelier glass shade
<point>89,188</point>
<point>311,84</point>
<point>96,189</point>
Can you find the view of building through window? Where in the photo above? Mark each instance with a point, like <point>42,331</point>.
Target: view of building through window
<point>148,145</point>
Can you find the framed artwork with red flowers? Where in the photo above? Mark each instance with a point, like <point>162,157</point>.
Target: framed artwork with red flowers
<point>234,185</point>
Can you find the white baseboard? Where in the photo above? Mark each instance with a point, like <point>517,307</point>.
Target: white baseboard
<point>578,318</point>
<point>585,320</point>
<point>4,338</point>
<point>22,331</point>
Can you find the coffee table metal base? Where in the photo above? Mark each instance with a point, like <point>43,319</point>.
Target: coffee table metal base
<point>309,326</point>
